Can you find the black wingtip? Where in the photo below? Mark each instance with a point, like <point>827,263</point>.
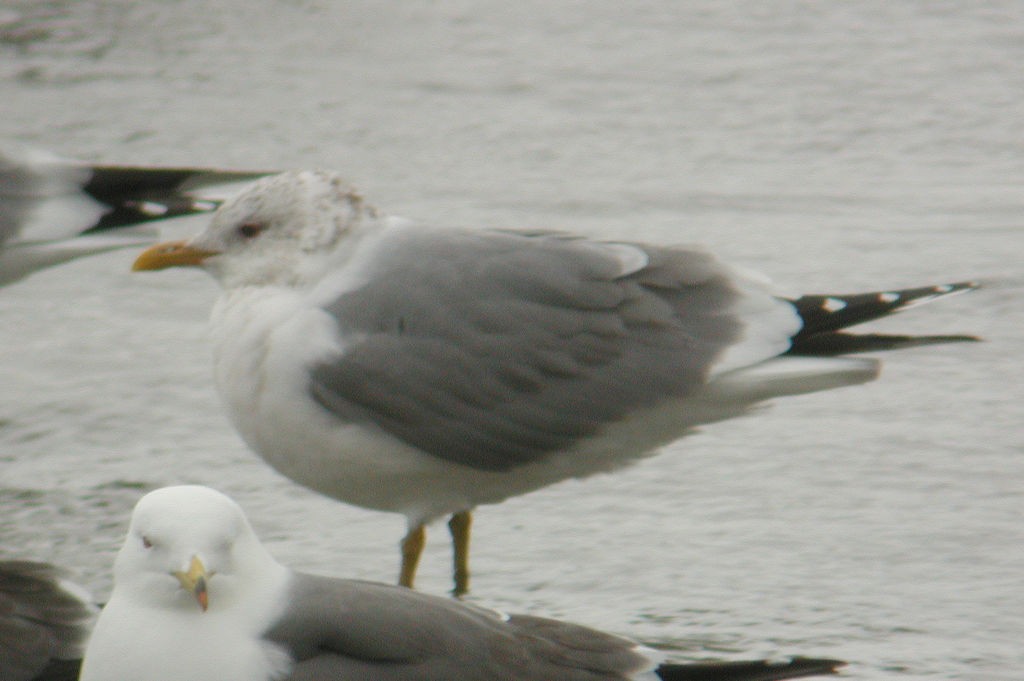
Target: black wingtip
<point>829,344</point>
<point>752,670</point>
<point>138,194</point>
<point>831,312</point>
<point>825,317</point>
<point>107,196</point>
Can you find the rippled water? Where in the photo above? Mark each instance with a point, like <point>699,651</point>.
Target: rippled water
<point>834,146</point>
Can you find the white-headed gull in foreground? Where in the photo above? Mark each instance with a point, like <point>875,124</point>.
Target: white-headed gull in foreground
<point>53,210</point>
<point>425,370</point>
<point>197,597</point>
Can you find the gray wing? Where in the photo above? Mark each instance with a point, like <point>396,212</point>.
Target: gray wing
<point>41,620</point>
<point>362,631</point>
<point>493,349</point>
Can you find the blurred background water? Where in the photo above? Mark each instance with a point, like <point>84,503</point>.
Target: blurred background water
<point>833,146</point>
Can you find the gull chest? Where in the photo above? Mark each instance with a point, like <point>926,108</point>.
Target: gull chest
<point>264,343</point>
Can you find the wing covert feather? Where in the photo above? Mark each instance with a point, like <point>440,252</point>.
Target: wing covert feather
<point>493,349</point>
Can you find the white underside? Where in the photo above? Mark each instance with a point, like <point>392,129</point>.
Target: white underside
<point>137,638</point>
<point>260,362</point>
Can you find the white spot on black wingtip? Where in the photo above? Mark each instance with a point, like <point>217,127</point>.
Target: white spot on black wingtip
<point>833,304</point>
<point>151,208</point>
<point>204,206</point>
<point>902,302</point>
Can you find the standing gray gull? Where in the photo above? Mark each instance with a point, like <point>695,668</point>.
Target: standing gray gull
<point>53,209</point>
<point>45,621</point>
<point>197,597</point>
<point>425,370</point>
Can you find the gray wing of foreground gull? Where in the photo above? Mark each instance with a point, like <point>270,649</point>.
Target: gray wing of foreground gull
<point>53,210</point>
<point>494,350</point>
<point>494,361</point>
<point>363,631</point>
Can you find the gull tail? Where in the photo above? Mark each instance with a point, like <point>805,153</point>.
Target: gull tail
<point>825,318</point>
<point>137,194</point>
<point>53,209</point>
<point>757,670</point>
<point>40,194</point>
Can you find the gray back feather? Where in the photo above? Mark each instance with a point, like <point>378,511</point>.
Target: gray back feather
<point>493,349</point>
<point>362,631</point>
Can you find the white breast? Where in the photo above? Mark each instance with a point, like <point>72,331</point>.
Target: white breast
<point>264,342</point>
<point>139,643</point>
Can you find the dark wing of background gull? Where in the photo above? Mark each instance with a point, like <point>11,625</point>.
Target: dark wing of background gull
<point>53,210</point>
<point>363,631</point>
<point>459,344</point>
<point>45,622</point>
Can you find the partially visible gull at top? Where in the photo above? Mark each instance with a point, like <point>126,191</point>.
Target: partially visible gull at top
<point>424,370</point>
<point>54,209</point>
<point>197,597</point>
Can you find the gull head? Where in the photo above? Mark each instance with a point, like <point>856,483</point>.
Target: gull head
<point>190,548</point>
<point>282,231</point>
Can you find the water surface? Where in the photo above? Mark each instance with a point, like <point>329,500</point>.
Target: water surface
<point>833,146</point>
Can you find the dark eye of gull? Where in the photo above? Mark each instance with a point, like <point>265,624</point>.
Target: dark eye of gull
<point>250,230</point>
<point>146,543</point>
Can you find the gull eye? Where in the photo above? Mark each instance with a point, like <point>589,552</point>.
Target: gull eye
<point>146,543</point>
<point>250,230</point>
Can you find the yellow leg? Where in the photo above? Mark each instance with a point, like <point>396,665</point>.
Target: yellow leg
<point>412,548</point>
<point>459,526</point>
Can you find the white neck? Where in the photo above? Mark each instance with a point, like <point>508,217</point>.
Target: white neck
<point>137,638</point>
